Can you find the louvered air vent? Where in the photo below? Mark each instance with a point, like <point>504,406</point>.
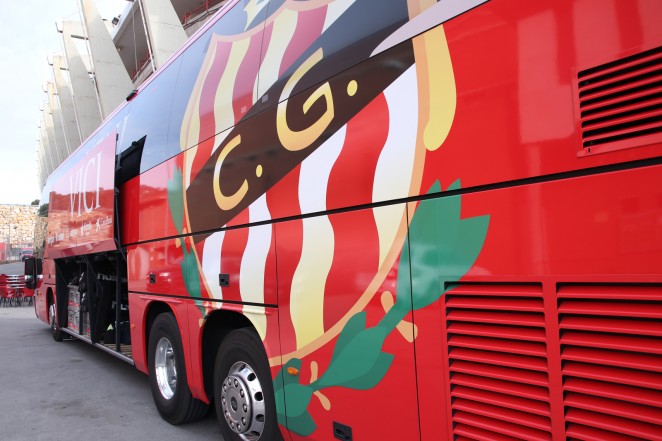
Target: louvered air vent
<point>621,103</point>
<point>498,362</point>
<point>611,350</point>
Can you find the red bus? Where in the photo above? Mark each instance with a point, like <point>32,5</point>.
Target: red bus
<point>380,220</point>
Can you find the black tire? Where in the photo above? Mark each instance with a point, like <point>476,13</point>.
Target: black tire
<point>52,320</point>
<point>240,354</point>
<point>179,407</point>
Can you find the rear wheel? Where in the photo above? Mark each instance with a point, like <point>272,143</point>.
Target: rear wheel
<point>167,374</point>
<point>52,320</point>
<point>243,390</point>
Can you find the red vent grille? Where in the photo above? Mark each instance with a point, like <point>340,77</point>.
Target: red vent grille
<point>611,350</point>
<point>498,362</point>
<point>621,103</point>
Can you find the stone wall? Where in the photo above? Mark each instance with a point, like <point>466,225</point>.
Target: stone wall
<point>16,228</point>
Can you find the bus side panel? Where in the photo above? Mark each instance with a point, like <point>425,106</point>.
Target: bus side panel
<point>257,315</point>
<point>245,257</point>
<point>156,268</point>
<point>41,293</point>
<point>138,324</point>
<point>557,313</point>
<point>129,215</point>
<point>190,328</point>
<point>146,214</point>
<point>143,260</point>
<point>139,305</point>
<point>345,325</point>
<point>189,268</point>
<point>40,306</point>
<point>515,67</point>
<point>41,301</point>
<point>605,224</point>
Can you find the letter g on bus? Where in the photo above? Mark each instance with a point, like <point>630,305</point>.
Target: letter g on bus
<point>299,140</point>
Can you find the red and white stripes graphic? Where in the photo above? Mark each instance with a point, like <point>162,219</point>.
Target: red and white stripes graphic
<point>371,159</point>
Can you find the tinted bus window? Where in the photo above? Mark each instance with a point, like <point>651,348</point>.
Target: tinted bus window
<point>336,36</point>
<point>148,116</point>
<point>217,78</point>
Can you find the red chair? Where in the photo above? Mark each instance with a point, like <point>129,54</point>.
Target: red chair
<point>11,289</point>
<point>4,291</point>
<point>16,285</point>
<point>4,296</point>
<point>8,296</point>
<point>27,296</point>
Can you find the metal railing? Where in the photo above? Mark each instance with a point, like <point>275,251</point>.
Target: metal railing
<point>209,7</point>
<point>141,67</point>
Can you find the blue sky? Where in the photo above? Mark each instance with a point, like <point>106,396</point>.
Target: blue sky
<point>27,37</point>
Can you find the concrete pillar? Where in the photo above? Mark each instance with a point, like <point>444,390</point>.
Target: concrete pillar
<point>112,81</point>
<point>86,105</point>
<point>58,127</point>
<point>41,164</point>
<point>71,132</point>
<point>165,32</point>
<point>46,137</point>
<point>53,150</point>
<point>42,159</point>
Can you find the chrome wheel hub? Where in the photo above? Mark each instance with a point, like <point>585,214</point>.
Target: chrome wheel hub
<point>165,368</point>
<point>242,400</point>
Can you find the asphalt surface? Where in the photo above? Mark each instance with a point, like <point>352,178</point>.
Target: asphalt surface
<point>12,268</point>
<point>71,390</point>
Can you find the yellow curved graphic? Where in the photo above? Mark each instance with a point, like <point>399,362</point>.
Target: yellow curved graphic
<point>436,86</point>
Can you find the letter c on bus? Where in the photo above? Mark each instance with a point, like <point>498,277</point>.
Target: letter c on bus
<point>227,202</point>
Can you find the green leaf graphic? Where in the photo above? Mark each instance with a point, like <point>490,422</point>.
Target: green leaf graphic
<point>303,424</point>
<point>356,360</point>
<point>298,397</point>
<point>293,413</point>
<point>444,246</point>
<point>189,265</point>
<point>372,378</point>
<point>176,199</point>
<point>354,325</point>
<point>191,274</point>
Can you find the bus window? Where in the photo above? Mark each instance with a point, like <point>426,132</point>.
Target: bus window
<point>336,37</point>
<point>217,78</point>
<point>148,114</point>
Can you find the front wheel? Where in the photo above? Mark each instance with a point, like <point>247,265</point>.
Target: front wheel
<point>243,390</point>
<point>167,374</point>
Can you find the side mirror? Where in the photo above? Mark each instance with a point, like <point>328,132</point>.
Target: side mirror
<point>32,272</point>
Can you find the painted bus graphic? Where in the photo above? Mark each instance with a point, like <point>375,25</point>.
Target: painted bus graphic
<point>325,217</point>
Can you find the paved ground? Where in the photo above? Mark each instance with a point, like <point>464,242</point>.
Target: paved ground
<point>12,268</point>
<point>73,391</point>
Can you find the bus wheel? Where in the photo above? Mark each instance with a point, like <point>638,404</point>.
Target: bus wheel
<point>55,329</point>
<point>167,374</point>
<point>243,391</point>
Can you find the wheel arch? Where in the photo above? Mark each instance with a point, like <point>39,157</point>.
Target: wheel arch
<point>168,322</point>
<point>217,326</point>
<point>50,299</point>
<point>153,310</point>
